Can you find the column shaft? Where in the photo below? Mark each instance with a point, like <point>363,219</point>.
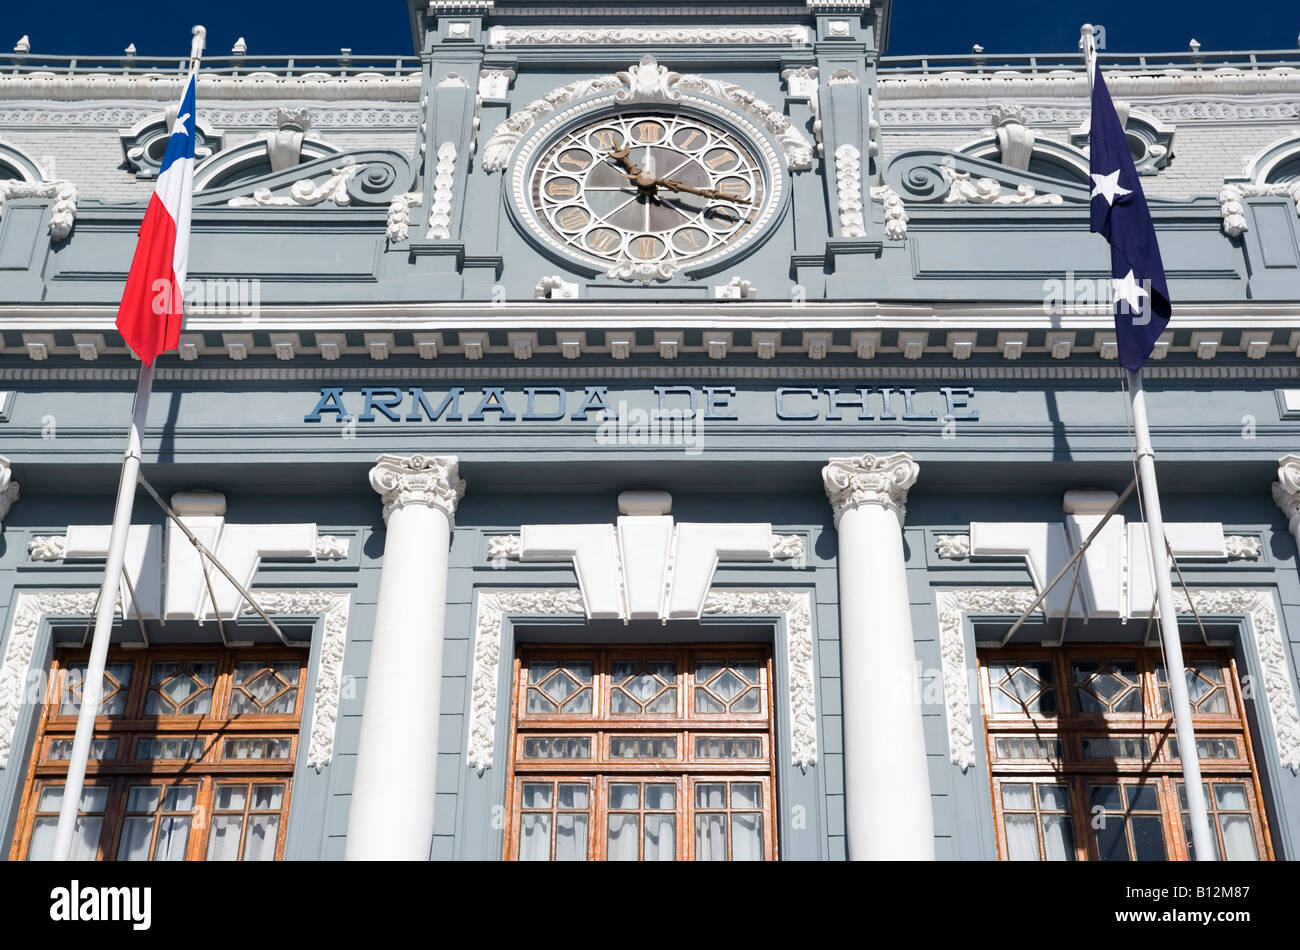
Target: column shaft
<point>887,779</point>
<point>394,791</point>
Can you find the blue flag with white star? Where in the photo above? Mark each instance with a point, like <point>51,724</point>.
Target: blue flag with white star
<point>1119,211</point>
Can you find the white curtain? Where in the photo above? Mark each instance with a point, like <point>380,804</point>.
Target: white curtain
<point>570,837</point>
<point>623,833</point>
<point>1022,838</point>
<point>1238,837</point>
<point>1058,837</point>
<point>747,837</point>
<point>660,838</point>
<point>223,840</point>
<point>710,837</point>
<point>536,842</point>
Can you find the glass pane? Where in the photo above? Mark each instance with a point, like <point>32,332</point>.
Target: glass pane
<point>535,842</point>
<point>1022,837</point>
<point>259,843</point>
<point>1142,798</point>
<point>623,833</point>
<point>660,838</point>
<point>581,670</point>
<point>705,703</point>
<point>580,704</point>
<point>539,669</point>
<point>710,835</point>
<point>748,703</point>
<point>179,799</point>
<point>747,669</point>
<point>573,796</point>
<point>94,798</point>
<point>643,747</point>
<point>537,703</point>
<point>1238,837</point>
<point>1191,846</point>
<point>173,836</point>
<point>571,837</point>
<point>1054,797</point>
<point>621,704</point>
<point>223,839</point>
<point>625,796</point>
<point>1018,797</point>
<point>664,704</point>
<point>85,841</point>
<point>710,796</point>
<point>51,798</point>
<point>1231,797</point>
<point>143,798</point>
<point>1112,838</point>
<point>42,844</point>
<point>537,795</point>
<point>1148,838</point>
<point>231,797</point>
<point>746,795</point>
<point>267,797</point>
<point>136,836</point>
<point>1058,837</point>
<point>660,797</point>
<point>747,837</point>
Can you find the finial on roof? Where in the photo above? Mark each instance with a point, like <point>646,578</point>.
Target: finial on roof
<point>977,49</point>
<point>24,44</point>
<point>196,45</point>
<point>130,50</point>
<point>240,47</point>
<point>1194,45</point>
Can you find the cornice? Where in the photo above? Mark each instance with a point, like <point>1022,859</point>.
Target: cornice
<point>1073,84</point>
<point>259,86</point>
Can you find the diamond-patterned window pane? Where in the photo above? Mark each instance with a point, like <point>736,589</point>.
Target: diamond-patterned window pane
<point>664,704</point>
<point>728,686</point>
<point>560,687</point>
<point>750,702</point>
<point>706,703</point>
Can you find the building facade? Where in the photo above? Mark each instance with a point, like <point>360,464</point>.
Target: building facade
<point>644,425</point>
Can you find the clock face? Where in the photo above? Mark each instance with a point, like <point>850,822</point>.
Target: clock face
<point>698,194</point>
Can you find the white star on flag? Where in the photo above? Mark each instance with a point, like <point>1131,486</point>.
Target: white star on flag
<point>1108,187</point>
<point>180,128</point>
<point>1129,290</point>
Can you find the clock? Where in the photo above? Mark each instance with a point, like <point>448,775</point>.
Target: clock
<point>644,194</point>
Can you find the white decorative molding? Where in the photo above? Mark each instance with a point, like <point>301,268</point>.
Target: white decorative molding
<point>330,547</point>
<point>1073,84</point>
<point>556,287</point>
<point>796,607</point>
<point>333,607</point>
<point>495,605</point>
<point>650,36</point>
<point>1243,547</point>
<point>647,81</point>
<point>505,547</point>
<point>952,547</point>
<point>953,606</point>
<point>736,289</point>
<point>1232,210</point>
<point>1199,108</point>
<point>803,82</point>
<point>31,607</point>
<point>305,193</point>
<point>848,183</point>
<point>895,214</point>
<point>454,81</point>
<point>644,272</point>
<point>495,83</point>
<point>47,547</point>
<point>9,489</point>
<point>788,547</point>
<point>418,480</point>
<point>1014,137</point>
<point>444,179</point>
<point>64,213</point>
<point>870,480</point>
<point>261,85</point>
<point>399,215</point>
<point>963,189</point>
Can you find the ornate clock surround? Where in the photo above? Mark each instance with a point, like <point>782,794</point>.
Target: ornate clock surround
<point>669,96</point>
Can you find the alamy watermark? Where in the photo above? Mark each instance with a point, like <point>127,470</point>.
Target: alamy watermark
<point>237,297</point>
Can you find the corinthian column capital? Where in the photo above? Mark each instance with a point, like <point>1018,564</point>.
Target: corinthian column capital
<point>1286,490</point>
<point>870,480</point>
<point>419,480</point>
<point>8,487</point>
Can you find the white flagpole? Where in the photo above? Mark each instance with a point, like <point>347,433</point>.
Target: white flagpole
<point>1203,839</point>
<point>93,686</point>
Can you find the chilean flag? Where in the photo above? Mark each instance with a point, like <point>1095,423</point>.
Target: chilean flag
<point>153,304</point>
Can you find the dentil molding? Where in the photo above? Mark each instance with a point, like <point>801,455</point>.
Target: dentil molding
<point>494,606</point>
<point>650,36</point>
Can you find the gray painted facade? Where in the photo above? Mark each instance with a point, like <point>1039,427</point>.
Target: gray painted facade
<point>1004,405</point>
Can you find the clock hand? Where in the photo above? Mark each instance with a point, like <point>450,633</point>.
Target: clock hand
<point>623,157</point>
<point>716,195</point>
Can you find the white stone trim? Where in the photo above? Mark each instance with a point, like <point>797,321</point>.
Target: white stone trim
<point>32,606</point>
<point>260,85</point>
<point>495,605</point>
<point>1259,606</point>
<point>1073,84</point>
<point>650,36</point>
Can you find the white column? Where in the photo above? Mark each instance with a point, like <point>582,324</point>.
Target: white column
<point>887,781</point>
<point>393,794</point>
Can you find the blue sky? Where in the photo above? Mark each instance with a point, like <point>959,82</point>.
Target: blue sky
<point>161,28</point>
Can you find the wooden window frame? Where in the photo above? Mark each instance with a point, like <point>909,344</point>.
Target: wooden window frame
<point>1071,726</point>
<point>124,771</point>
<point>683,769</point>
